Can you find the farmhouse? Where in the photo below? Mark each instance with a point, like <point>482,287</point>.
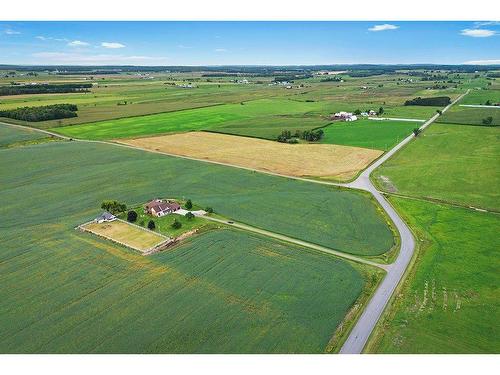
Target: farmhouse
<point>105,217</point>
<point>345,116</point>
<point>158,207</point>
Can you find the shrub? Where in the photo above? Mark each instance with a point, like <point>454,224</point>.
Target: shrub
<point>176,224</point>
<point>189,216</point>
<point>209,210</point>
<point>131,216</point>
<point>488,120</point>
<point>188,204</point>
<point>151,225</point>
<point>114,207</point>
<point>416,132</point>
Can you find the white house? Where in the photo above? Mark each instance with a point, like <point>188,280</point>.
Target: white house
<point>105,217</point>
<point>351,118</point>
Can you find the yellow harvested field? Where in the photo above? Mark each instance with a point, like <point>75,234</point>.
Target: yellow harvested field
<point>126,234</point>
<point>315,160</point>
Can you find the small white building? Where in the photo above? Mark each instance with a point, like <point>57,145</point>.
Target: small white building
<point>351,118</point>
<point>371,112</point>
<point>105,217</point>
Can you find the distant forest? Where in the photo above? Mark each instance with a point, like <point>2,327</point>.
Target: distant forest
<point>43,113</point>
<point>45,89</point>
<point>438,101</point>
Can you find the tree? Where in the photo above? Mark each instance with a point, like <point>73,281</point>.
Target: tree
<point>357,112</point>
<point>114,207</point>
<point>487,103</point>
<point>176,224</point>
<point>439,112</point>
<point>380,110</point>
<point>189,216</point>
<point>189,204</point>
<point>131,216</point>
<point>151,225</point>
<point>416,131</point>
<point>488,120</point>
<point>209,210</point>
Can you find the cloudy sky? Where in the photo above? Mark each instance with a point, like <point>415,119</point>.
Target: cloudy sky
<point>251,43</point>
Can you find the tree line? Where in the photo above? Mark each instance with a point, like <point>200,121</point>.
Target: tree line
<point>43,113</point>
<point>286,136</point>
<point>438,101</point>
<point>45,89</point>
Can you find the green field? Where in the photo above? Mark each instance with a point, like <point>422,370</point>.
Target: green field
<point>90,173</point>
<point>449,302</point>
<point>454,163</point>
<point>194,119</point>
<point>10,135</point>
<point>470,116</point>
<point>481,96</point>
<point>378,134</point>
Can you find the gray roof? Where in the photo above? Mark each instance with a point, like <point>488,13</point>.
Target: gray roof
<point>106,216</point>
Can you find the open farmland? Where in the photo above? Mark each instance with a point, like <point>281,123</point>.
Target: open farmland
<point>481,97</point>
<point>449,302</point>
<point>329,161</point>
<point>344,220</point>
<point>126,234</point>
<point>470,116</point>
<point>376,134</point>
<point>194,119</point>
<point>454,163</point>
<point>10,135</point>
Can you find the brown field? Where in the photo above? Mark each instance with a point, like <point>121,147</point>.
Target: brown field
<point>126,234</point>
<point>315,160</point>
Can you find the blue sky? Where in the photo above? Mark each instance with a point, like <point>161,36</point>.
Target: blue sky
<point>248,43</point>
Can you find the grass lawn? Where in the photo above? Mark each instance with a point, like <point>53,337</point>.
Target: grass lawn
<point>470,115</point>
<point>454,163</point>
<point>10,135</point>
<point>449,302</point>
<point>126,234</point>
<point>90,173</point>
<point>194,119</point>
<point>381,135</point>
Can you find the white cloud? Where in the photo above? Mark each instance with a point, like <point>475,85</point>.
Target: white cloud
<point>11,32</point>
<point>483,62</point>
<point>486,23</point>
<point>46,38</point>
<point>220,50</point>
<point>78,43</point>
<point>478,33</point>
<point>97,59</point>
<point>385,26</point>
<point>112,45</point>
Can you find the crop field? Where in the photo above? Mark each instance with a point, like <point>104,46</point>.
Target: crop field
<point>375,134</point>
<point>454,163</point>
<point>126,234</point>
<point>10,135</point>
<point>449,302</point>
<point>194,119</point>
<point>329,161</point>
<point>470,116</point>
<point>481,97</point>
<point>344,220</point>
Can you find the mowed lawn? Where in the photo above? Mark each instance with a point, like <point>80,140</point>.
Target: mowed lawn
<point>449,303</point>
<point>90,173</point>
<point>126,234</point>
<point>10,135</point>
<point>470,116</point>
<point>375,134</point>
<point>450,162</point>
<point>192,119</point>
<point>319,160</point>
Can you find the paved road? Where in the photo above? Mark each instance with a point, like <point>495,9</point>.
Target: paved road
<point>480,106</point>
<point>395,119</point>
<point>364,326</point>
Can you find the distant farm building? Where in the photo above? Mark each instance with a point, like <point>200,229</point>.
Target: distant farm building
<point>105,217</point>
<point>159,208</point>
<point>345,116</point>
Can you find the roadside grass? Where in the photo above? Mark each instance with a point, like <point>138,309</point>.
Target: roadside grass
<point>10,135</point>
<point>194,119</point>
<point>470,116</point>
<point>453,163</point>
<point>375,134</point>
<point>449,301</point>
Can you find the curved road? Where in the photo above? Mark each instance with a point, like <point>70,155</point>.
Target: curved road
<point>366,323</point>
